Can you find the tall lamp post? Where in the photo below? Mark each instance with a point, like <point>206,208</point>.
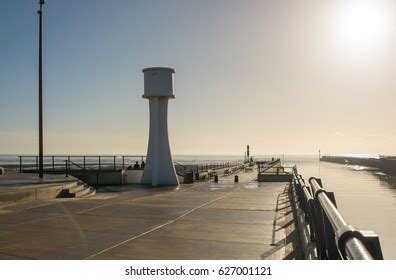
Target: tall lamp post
<point>40,90</point>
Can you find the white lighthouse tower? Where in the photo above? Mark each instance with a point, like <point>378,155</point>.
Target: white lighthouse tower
<point>158,88</point>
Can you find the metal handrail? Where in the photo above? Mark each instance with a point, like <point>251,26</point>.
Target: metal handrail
<point>67,166</point>
<point>181,166</point>
<point>217,165</point>
<point>333,236</point>
<point>68,162</point>
<point>53,162</point>
<point>75,164</point>
<point>348,239</point>
<point>262,166</point>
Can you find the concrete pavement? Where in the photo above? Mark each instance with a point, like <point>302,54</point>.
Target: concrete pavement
<point>245,220</point>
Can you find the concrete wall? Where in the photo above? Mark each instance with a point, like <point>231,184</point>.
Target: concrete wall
<point>117,177</point>
<point>131,176</point>
<point>99,178</point>
<point>31,194</point>
<point>266,177</point>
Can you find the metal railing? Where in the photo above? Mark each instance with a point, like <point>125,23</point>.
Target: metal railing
<point>217,165</point>
<point>277,170</point>
<point>180,169</point>
<point>267,164</point>
<point>334,238</point>
<point>212,169</point>
<point>54,164</point>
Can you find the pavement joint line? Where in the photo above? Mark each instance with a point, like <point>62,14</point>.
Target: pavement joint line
<point>97,207</point>
<point>37,206</point>
<point>32,207</point>
<point>138,198</point>
<point>160,226</point>
<point>220,241</point>
<point>69,199</point>
<point>67,214</point>
<point>126,200</point>
<point>79,212</point>
<point>83,211</point>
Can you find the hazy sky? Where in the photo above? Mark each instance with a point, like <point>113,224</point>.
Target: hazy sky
<point>284,76</point>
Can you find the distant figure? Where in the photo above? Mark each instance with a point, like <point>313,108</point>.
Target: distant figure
<point>142,165</point>
<point>129,167</point>
<point>272,159</point>
<point>136,166</point>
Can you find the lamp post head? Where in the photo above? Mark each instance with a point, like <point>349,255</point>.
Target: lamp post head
<point>42,2</point>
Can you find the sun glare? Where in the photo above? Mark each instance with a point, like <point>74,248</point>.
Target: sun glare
<point>361,25</point>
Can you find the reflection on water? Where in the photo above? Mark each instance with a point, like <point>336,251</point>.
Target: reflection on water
<point>366,198</point>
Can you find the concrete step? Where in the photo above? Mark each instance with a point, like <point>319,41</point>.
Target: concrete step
<point>83,192</point>
<point>34,192</point>
<point>91,193</point>
<point>71,185</point>
<point>77,188</point>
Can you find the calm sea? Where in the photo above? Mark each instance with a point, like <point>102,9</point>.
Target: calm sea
<point>366,198</point>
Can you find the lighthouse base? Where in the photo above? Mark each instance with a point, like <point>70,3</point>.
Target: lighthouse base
<point>159,169</point>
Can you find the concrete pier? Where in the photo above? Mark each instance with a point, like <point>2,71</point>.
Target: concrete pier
<point>205,220</point>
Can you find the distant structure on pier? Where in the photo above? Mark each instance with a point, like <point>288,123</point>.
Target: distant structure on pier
<point>247,155</point>
<point>158,88</point>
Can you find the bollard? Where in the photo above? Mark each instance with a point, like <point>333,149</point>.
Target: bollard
<point>216,179</point>
<point>236,179</point>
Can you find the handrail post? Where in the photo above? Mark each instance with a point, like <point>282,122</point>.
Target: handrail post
<point>36,163</point>
<point>53,163</point>
<point>114,162</point>
<point>331,245</point>
<point>320,234</point>
<point>99,164</point>
<point>123,162</point>
<point>67,169</point>
<point>20,164</point>
<point>84,162</point>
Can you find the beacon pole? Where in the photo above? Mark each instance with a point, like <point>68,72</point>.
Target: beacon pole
<point>40,90</point>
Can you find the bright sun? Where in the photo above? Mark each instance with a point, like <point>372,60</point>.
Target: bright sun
<point>361,25</point>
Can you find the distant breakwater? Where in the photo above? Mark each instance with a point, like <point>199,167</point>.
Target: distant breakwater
<point>386,165</point>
